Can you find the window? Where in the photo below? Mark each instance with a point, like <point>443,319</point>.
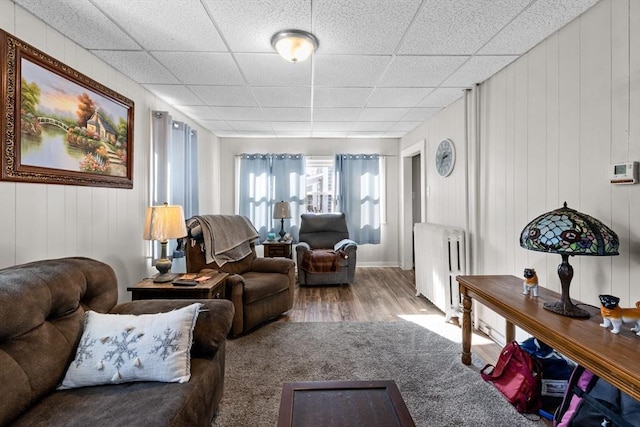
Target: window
<point>319,184</point>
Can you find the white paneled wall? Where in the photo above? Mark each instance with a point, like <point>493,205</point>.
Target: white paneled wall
<point>39,221</point>
<point>550,124</point>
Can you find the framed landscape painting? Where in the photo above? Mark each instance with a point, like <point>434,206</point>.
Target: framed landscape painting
<point>58,125</point>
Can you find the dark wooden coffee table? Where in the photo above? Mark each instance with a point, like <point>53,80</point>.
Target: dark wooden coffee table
<point>343,403</point>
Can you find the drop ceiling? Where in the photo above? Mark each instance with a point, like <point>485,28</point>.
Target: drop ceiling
<point>382,68</point>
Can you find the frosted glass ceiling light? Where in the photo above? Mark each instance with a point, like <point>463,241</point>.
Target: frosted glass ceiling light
<point>294,45</point>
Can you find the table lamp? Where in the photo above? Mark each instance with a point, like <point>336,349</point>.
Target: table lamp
<point>281,211</point>
<point>163,223</point>
<point>567,232</point>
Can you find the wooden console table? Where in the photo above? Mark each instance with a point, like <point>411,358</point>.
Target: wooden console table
<point>612,357</point>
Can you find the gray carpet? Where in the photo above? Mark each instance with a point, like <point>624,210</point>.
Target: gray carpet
<point>437,388</point>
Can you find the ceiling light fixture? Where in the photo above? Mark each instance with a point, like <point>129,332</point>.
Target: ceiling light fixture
<point>294,45</point>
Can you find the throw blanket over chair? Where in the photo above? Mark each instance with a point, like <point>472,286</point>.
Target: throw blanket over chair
<point>325,254</point>
<point>259,288</point>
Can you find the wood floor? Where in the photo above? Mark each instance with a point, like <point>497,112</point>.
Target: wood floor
<point>379,294</point>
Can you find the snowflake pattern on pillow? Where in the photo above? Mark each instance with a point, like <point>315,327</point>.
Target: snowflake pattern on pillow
<point>118,348</point>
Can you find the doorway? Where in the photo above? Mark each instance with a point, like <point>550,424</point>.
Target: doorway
<point>413,201</point>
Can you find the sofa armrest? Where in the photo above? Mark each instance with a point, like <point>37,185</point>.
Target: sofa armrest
<point>345,244</point>
<point>272,265</point>
<point>302,247</point>
<point>213,324</point>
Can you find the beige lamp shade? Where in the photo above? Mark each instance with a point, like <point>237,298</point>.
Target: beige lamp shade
<point>281,210</point>
<point>164,222</point>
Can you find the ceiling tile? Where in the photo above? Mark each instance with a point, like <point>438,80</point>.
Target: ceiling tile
<point>477,70</point>
<point>349,70</point>
<point>381,114</point>
<point>166,24</point>
<point>442,97</point>
<point>394,134</point>
<point>272,70</point>
<point>203,67</point>
<point>288,114</point>
<point>283,96</point>
<point>332,126</point>
<point>295,134</point>
<point>371,126</point>
<point>361,27</point>
<point>323,134</point>
<point>215,125</point>
<point>233,96</point>
<point>291,126</point>
<point>249,27</point>
<point>174,94</point>
<point>458,27</point>
<point>341,96</point>
<point>366,134</point>
<point>535,24</point>
<point>405,126</point>
<point>240,113</point>
<point>397,97</point>
<point>420,114</point>
<point>251,126</point>
<point>139,66</point>
<point>71,17</point>
<point>255,134</point>
<point>420,71</point>
<point>335,114</point>
<point>199,112</point>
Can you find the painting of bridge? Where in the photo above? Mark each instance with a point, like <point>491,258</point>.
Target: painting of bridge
<point>70,129</point>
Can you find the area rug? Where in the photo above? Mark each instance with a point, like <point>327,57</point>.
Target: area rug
<point>437,388</point>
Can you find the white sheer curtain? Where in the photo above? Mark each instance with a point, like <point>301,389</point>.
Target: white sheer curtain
<point>265,179</point>
<point>358,195</point>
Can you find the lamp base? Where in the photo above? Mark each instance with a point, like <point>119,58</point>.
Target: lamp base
<point>569,310</point>
<point>165,277</point>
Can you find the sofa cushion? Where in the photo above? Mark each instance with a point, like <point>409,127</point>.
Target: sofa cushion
<point>258,286</point>
<point>42,308</point>
<point>117,348</point>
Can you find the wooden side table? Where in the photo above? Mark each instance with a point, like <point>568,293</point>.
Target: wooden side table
<point>212,288</point>
<point>278,249</point>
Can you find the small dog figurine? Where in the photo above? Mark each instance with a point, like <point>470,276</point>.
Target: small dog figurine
<point>530,283</point>
<point>614,316</point>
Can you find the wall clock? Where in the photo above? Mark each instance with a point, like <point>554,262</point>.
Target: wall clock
<point>445,157</point>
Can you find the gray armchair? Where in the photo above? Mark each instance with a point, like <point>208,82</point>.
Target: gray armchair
<point>325,254</point>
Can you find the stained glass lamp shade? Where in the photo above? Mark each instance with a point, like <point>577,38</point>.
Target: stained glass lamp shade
<point>566,231</point>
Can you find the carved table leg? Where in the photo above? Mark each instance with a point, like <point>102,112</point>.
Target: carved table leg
<point>466,328</point>
<point>510,332</point>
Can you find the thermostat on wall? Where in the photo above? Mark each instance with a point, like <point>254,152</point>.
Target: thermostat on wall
<point>624,173</point>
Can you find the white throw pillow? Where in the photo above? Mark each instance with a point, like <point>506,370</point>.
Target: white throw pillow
<point>118,348</point>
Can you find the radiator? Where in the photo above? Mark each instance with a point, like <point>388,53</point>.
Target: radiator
<point>439,252</point>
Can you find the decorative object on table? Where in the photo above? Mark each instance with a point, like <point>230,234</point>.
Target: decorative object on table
<point>566,231</point>
<point>50,116</point>
<point>530,283</point>
<point>294,45</point>
<point>271,237</point>
<point>282,211</point>
<point>163,223</point>
<point>517,376</point>
<point>614,316</point>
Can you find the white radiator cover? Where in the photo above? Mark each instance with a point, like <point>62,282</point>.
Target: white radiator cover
<point>439,252</point>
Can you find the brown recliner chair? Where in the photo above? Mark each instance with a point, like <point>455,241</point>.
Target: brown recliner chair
<point>325,254</point>
<point>259,288</point>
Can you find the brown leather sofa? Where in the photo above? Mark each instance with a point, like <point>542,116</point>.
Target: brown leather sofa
<point>259,288</point>
<point>42,311</point>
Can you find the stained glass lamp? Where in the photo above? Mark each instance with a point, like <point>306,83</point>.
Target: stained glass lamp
<point>567,232</point>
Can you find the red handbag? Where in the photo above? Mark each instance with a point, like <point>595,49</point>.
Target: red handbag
<point>517,376</point>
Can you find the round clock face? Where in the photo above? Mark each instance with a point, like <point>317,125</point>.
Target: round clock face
<point>445,157</point>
